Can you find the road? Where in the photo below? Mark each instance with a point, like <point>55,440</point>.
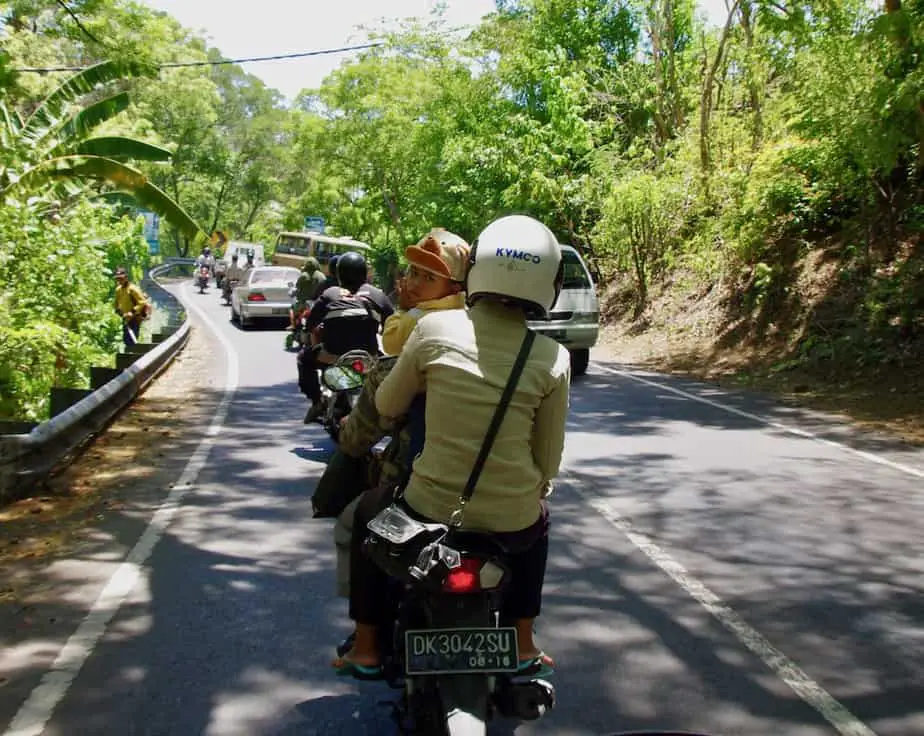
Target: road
<point>719,563</point>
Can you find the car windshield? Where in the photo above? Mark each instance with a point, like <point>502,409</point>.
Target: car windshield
<point>575,275</point>
<point>268,275</point>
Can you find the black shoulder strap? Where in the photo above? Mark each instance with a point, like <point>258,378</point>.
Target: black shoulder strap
<point>499,412</point>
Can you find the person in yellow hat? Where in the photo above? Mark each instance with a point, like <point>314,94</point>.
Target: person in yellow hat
<point>131,304</point>
<point>435,281</point>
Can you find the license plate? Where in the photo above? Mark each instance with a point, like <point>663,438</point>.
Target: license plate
<point>447,651</point>
<point>280,310</point>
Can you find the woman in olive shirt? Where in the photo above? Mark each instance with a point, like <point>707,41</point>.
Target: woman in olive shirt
<point>462,359</point>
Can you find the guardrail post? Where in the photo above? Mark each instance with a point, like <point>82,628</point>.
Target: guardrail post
<point>139,348</point>
<point>64,398</point>
<point>100,376</point>
<point>124,360</point>
<point>11,426</point>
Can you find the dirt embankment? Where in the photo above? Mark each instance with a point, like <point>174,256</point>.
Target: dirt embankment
<point>713,332</point>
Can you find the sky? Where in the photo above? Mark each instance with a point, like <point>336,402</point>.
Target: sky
<point>270,27</point>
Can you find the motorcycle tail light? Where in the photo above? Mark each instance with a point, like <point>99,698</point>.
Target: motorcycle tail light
<point>256,297</point>
<point>473,575</point>
<point>464,578</point>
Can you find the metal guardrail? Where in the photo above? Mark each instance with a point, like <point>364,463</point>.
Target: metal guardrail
<point>28,457</point>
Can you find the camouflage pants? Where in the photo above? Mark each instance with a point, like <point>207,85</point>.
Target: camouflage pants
<point>343,533</point>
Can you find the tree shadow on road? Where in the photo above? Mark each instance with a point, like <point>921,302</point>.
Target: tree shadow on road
<point>234,630</point>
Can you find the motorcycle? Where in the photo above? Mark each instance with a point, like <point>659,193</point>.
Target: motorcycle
<point>227,287</point>
<point>220,269</point>
<point>449,652</point>
<point>298,335</point>
<point>202,279</point>
<point>342,384</point>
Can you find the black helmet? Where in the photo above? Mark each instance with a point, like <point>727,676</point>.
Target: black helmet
<point>351,270</point>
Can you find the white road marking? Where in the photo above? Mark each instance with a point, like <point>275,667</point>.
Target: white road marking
<point>870,457</point>
<point>34,714</point>
<point>834,712</point>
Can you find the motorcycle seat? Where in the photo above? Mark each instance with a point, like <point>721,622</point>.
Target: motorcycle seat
<point>477,543</point>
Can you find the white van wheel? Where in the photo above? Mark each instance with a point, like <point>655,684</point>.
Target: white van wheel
<point>580,359</point>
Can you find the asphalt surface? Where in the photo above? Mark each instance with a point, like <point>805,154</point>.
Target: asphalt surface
<point>709,572</point>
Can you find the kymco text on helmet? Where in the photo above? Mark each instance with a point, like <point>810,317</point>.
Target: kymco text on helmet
<point>520,255</point>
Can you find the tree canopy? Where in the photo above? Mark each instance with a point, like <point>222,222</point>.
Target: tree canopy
<point>641,135</point>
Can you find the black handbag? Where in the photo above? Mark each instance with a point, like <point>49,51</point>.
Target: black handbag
<point>412,550</point>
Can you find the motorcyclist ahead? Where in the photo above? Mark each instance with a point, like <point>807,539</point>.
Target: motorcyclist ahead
<point>235,272</point>
<point>205,258</point>
<point>311,283</point>
<point>345,317</point>
<point>234,275</point>
<point>331,279</point>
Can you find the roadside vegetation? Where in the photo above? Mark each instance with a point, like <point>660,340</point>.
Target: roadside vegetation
<point>755,184</point>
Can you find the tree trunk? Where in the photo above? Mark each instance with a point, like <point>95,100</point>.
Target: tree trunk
<point>757,133</point>
<point>218,204</point>
<point>252,215</point>
<point>705,110</point>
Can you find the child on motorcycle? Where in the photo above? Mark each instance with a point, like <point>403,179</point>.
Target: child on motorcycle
<point>434,281</point>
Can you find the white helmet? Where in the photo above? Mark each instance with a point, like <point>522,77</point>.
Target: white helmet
<point>518,259</point>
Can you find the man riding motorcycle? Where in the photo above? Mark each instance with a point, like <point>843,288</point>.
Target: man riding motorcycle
<point>345,317</point>
<point>206,259</point>
<point>233,276</point>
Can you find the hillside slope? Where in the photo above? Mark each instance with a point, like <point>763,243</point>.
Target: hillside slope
<point>828,332</point>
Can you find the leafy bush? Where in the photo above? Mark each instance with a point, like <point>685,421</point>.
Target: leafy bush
<point>794,187</point>
<point>641,220</point>
<point>56,311</point>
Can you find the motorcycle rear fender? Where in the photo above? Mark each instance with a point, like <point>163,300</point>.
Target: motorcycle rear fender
<point>451,610</point>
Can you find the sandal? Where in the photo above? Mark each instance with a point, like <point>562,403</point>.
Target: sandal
<point>346,668</point>
<point>542,665</point>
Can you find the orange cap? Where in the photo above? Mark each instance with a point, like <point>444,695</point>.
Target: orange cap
<point>440,252</point>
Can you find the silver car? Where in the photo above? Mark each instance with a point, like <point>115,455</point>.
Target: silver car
<point>575,317</point>
<point>263,294</point>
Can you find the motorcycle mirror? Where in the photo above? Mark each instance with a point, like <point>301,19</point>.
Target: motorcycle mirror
<point>341,378</point>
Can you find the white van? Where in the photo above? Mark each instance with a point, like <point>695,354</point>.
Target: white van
<point>241,248</point>
<point>575,317</point>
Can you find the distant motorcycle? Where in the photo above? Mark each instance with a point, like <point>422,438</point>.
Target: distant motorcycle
<point>220,269</point>
<point>226,289</point>
<point>342,383</point>
<point>298,336</point>
<point>202,280</point>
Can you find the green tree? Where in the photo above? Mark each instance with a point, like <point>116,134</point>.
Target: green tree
<point>53,145</point>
